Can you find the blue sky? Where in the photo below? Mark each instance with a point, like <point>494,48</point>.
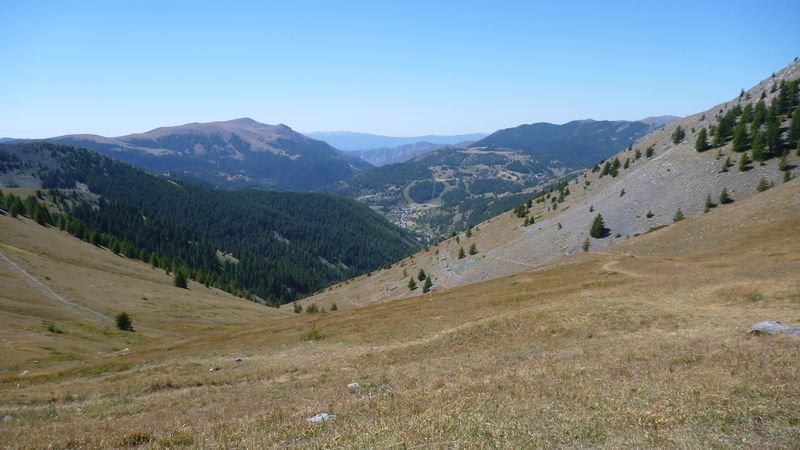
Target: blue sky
<point>398,68</point>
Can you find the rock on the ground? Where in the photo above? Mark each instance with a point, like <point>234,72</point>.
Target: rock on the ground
<point>321,417</point>
<point>353,386</point>
<point>773,327</point>
<point>7,419</point>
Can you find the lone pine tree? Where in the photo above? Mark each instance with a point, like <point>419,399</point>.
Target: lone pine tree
<point>598,229</point>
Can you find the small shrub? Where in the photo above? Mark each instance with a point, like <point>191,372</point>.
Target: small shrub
<point>297,307</point>
<point>334,307</point>
<point>312,309</point>
<point>678,216</point>
<point>585,245</point>
<point>136,439</point>
<point>724,197</point>
<point>124,321</point>
<point>313,334</point>
<point>51,327</point>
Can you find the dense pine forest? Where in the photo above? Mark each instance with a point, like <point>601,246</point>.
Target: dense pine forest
<point>278,246</point>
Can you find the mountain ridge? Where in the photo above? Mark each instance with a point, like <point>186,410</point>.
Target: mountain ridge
<point>235,154</point>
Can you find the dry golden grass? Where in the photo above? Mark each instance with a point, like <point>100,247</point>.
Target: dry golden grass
<point>640,346</point>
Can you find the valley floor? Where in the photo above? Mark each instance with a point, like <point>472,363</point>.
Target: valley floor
<point>642,345</point>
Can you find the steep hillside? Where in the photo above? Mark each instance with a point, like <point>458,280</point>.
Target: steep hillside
<point>645,194</point>
<point>234,154</point>
<point>275,245</point>
<point>454,187</point>
<point>393,155</point>
<point>641,345</point>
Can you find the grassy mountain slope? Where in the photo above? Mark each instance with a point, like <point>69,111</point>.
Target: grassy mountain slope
<point>640,345</point>
<point>675,177</point>
<point>234,154</point>
<point>96,280</point>
<point>286,244</point>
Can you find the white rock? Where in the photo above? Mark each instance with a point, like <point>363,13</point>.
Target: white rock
<point>353,386</point>
<point>7,419</point>
<point>321,417</point>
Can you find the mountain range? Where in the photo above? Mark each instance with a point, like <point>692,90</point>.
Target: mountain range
<point>452,187</point>
<point>277,246</point>
<point>237,153</point>
<point>353,141</point>
<point>393,155</point>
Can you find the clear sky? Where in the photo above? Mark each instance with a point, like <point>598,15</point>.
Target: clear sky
<point>389,67</point>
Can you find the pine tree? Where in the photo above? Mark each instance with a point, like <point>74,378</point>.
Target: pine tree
<point>297,308</point>
<point>782,166</point>
<point>421,276</point>
<point>758,147</point>
<point>180,279</point>
<point>678,135</point>
<point>740,138</point>
<point>787,176</point>
<point>468,234</point>
<point>701,144</point>
<point>598,229</point>
<point>638,154</point>
<point>124,322</point>
<point>334,307</point>
<point>627,163</point>
<point>412,284</point>
<point>649,213</point>
<point>724,197</point>
<point>678,216</point>
<point>585,245</point>
<point>428,284</point>
<point>461,253</point>
<point>726,164</point>
<point>794,128</point>
<point>762,185</point>
<point>773,138</point>
<point>708,204</point>
<point>650,151</point>
<point>743,162</point>
<point>473,249</point>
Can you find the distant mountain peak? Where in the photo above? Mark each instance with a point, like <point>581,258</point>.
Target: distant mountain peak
<point>244,121</point>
